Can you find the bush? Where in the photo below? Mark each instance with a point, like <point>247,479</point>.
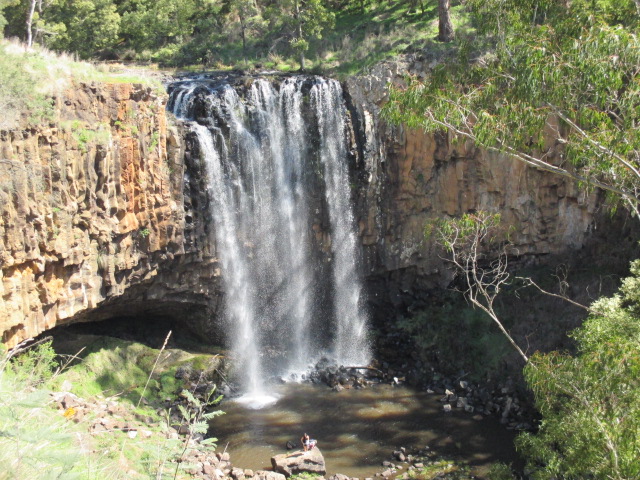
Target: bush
<point>18,91</point>
<point>35,442</point>
<point>500,471</point>
<point>590,403</point>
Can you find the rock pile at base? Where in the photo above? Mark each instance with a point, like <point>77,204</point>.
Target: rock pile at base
<point>296,462</point>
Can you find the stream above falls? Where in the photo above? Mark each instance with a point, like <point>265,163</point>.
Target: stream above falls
<point>357,429</point>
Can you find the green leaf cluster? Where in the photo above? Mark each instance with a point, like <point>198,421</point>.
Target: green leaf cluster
<point>4,4</point>
<point>559,81</point>
<point>35,441</point>
<point>195,411</point>
<point>464,231</point>
<point>590,403</point>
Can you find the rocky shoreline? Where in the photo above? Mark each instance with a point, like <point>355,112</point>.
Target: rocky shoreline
<point>108,416</point>
<point>501,400</point>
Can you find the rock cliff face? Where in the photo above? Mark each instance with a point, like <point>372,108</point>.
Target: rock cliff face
<point>408,177</point>
<point>92,209</point>
<point>102,213</point>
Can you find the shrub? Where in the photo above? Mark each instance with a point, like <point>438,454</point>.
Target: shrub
<point>35,442</point>
<point>18,92</point>
<point>590,403</point>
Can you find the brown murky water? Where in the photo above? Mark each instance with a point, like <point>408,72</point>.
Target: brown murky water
<point>358,429</point>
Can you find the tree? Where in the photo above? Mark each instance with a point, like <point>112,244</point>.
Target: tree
<point>23,19</point>
<point>300,21</point>
<point>30,13</point>
<point>150,24</point>
<point>5,4</point>
<point>81,26</point>
<point>480,257</point>
<point>249,16</point>
<point>590,403</point>
<point>445,27</point>
<point>561,83</point>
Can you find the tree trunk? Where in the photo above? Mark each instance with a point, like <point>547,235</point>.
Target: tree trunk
<point>32,9</point>
<point>445,27</point>
<point>299,21</point>
<point>243,34</point>
<point>302,61</point>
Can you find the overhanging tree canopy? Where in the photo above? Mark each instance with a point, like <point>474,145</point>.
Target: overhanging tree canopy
<point>551,67</point>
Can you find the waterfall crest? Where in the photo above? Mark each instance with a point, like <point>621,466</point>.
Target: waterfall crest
<point>280,200</point>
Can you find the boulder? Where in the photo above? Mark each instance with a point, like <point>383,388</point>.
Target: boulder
<point>299,462</point>
<point>237,474</point>
<point>265,475</point>
<point>339,476</point>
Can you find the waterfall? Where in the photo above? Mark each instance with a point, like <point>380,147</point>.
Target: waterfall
<point>351,321</point>
<point>277,175</point>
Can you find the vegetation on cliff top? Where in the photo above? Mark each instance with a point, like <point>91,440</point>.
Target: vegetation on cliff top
<point>333,35</point>
<point>30,80</point>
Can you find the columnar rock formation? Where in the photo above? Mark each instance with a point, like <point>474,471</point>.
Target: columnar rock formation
<point>103,212</point>
<point>407,177</point>
<point>89,205</point>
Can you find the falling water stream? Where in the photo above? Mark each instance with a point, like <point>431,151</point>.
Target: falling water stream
<point>277,166</point>
<point>276,160</point>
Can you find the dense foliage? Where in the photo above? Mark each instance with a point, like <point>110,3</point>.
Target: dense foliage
<point>590,403</point>
<point>224,33</point>
<point>547,81</point>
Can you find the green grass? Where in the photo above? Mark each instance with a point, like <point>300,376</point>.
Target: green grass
<point>358,41</point>
<point>38,441</point>
<point>114,367</point>
<point>35,441</point>
<point>29,80</point>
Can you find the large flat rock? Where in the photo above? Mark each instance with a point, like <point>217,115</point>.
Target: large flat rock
<point>299,462</point>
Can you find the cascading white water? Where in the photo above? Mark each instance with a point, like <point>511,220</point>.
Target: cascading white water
<point>350,341</point>
<point>275,161</point>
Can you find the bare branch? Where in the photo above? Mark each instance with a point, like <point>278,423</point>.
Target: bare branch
<point>465,240</point>
<point>530,283</point>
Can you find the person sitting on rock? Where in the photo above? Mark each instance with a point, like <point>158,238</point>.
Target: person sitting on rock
<point>307,443</point>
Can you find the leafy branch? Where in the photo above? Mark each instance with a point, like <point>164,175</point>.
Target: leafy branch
<point>196,417</point>
<point>561,84</point>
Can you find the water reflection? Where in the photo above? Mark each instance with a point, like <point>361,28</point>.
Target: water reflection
<point>357,429</point>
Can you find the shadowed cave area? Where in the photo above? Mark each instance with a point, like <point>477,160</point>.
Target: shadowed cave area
<point>145,324</point>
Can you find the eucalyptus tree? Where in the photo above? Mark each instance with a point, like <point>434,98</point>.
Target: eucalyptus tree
<point>153,24</point>
<point>593,395</point>
<point>553,69</point>
<point>300,21</point>
<point>80,26</point>
<point>445,26</point>
<point>248,15</point>
<point>477,246</point>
